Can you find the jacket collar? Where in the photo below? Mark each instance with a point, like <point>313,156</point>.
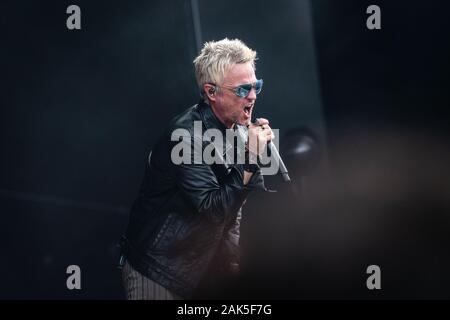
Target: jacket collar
<point>209,119</point>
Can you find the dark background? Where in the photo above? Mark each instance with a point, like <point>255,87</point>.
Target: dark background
<point>80,111</point>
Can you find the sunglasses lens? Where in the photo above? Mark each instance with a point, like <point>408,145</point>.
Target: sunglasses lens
<point>244,90</point>
<point>258,86</point>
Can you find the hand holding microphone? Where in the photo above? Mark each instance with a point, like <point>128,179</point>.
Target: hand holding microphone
<point>259,136</point>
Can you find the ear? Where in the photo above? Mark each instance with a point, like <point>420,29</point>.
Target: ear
<point>210,91</point>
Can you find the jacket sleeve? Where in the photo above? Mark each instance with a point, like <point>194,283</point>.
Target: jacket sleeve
<point>200,186</point>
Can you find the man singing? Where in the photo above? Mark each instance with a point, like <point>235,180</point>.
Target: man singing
<point>186,217</point>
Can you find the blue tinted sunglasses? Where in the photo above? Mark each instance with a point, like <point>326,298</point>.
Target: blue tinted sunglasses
<point>243,90</point>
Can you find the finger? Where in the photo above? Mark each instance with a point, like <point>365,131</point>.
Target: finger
<point>269,134</point>
<point>261,121</point>
<point>267,130</point>
<point>253,126</point>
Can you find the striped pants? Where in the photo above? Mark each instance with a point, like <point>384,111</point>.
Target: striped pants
<point>138,287</point>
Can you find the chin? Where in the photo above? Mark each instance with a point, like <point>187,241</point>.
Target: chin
<point>243,122</point>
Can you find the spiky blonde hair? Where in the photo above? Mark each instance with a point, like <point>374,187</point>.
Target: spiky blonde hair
<point>217,57</point>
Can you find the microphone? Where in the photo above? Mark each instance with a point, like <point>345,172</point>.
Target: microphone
<point>283,170</point>
<point>243,133</point>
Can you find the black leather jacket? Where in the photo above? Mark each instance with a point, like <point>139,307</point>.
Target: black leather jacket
<point>186,214</point>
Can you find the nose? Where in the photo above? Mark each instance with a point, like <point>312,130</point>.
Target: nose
<point>252,94</point>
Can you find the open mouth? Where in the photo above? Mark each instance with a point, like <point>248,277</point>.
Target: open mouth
<point>248,110</point>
